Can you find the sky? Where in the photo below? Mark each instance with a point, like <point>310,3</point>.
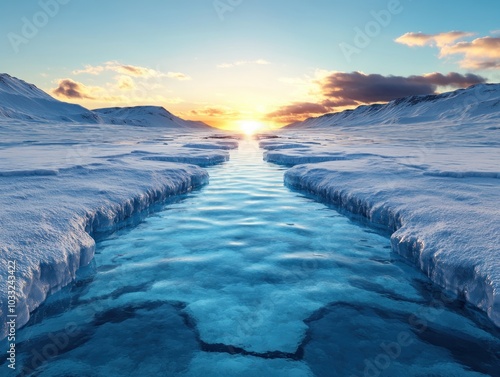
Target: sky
<point>225,62</point>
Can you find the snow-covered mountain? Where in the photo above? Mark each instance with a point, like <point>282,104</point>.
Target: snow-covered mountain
<point>23,101</point>
<point>478,103</point>
<point>146,116</point>
<point>20,100</point>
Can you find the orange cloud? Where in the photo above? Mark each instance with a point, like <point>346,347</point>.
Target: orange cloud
<point>481,53</point>
<point>78,92</point>
<point>303,110</point>
<point>299,108</point>
<point>89,69</point>
<point>178,76</point>
<point>215,111</point>
<point>125,83</point>
<point>441,39</point>
<point>130,70</point>
<point>73,90</point>
<point>217,116</point>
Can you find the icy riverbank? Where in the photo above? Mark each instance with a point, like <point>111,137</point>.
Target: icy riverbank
<point>61,183</point>
<point>434,185</point>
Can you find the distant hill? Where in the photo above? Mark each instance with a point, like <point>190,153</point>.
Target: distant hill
<point>146,116</point>
<point>20,100</point>
<point>477,103</point>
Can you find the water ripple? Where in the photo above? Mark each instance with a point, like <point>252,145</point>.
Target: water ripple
<point>245,272</point>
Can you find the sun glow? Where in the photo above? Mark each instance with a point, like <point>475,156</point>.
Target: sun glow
<point>250,127</point>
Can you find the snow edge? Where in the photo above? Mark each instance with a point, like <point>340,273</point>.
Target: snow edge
<point>36,285</point>
<point>475,288</point>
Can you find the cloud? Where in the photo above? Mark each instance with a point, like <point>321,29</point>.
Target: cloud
<point>299,108</point>
<point>89,69</point>
<point>215,111</point>
<point>130,70</point>
<point>178,76</point>
<point>338,102</point>
<point>243,62</point>
<point>481,53</point>
<point>72,89</point>
<point>77,92</point>
<point>125,83</point>
<point>363,88</point>
<point>441,39</point>
<point>338,90</point>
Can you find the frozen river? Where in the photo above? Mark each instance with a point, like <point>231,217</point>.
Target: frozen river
<point>245,277</point>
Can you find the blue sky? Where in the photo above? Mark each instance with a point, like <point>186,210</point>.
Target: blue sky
<point>247,60</point>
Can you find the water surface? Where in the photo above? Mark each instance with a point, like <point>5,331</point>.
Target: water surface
<point>247,278</point>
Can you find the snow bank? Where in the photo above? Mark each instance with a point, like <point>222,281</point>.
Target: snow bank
<point>439,199</point>
<point>60,186</point>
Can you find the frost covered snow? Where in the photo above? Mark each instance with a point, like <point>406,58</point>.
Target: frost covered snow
<point>63,180</point>
<point>427,168</point>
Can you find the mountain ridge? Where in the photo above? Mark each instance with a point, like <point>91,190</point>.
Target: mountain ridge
<point>144,116</point>
<point>20,100</point>
<point>477,102</point>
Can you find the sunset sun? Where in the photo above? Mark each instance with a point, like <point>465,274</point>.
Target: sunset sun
<point>250,127</point>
